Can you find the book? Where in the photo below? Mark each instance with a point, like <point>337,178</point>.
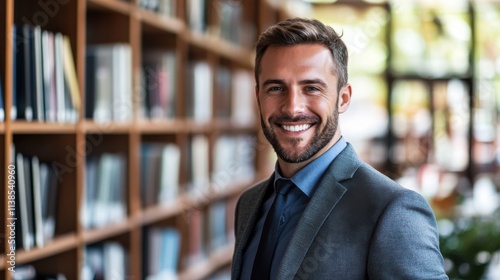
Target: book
<point>243,98</point>
<point>223,93</point>
<point>169,173</point>
<point>196,15</point>
<point>37,201</point>
<point>199,93</point>
<point>23,238</point>
<point>37,91</point>
<point>199,163</point>
<point>23,67</point>
<point>2,110</point>
<point>71,79</point>
<point>217,228</point>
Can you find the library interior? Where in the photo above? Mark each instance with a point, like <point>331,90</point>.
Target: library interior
<point>129,128</point>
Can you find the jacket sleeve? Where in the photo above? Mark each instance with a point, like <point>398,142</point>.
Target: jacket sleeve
<point>405,243</point>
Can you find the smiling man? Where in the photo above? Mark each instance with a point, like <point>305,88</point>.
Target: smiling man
<point>323,213</point>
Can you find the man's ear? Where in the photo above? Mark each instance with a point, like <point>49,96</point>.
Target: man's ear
<point>344,97</point>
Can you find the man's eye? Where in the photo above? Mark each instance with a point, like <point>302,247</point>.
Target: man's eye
<point>275,89</point>
<point>311,89</point>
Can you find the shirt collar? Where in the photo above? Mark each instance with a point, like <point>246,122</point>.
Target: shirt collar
<point>308,177</point>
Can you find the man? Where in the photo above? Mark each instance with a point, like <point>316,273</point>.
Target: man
<point>323,214</point>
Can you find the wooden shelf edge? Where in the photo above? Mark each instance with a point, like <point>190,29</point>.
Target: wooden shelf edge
<point>25,127</point>
<point>187,201</point>
<point>112,230</point>
<point>208,266</point>
<point>166,23</point>
<point>58,245</point>
<point>111,5</point>
<point>89,126</point>
<point>220,47</point>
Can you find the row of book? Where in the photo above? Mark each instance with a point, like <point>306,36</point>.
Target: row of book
<point>104,198</point>
<point>233,163</point>
<point>160,164</point>
<point>29,272</point>
<point>158,85</point>
<point>36,196</point>
<point>108,85</point>
<point>106,260</point>
<point>209,230</point>
<point>234,94</point>
<point>162,7</point>
<point>45,86</point>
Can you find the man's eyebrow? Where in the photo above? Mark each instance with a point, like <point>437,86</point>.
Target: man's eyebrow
<point>273,81</point>
<point>312,82</point>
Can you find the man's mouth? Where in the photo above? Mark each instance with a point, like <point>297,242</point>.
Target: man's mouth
<point>296,128</point>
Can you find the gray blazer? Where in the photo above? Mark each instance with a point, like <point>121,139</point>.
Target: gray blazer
<point>358,224</point>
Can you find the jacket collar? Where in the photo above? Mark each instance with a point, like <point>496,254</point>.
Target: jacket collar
<point>329,192</point>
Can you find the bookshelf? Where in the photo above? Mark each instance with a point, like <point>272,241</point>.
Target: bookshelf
<point>99,142</point>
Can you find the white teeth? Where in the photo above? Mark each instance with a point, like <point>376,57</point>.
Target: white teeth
<point>295,128</point>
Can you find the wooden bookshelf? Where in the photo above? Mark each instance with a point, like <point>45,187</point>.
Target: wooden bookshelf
<point>70,147</point>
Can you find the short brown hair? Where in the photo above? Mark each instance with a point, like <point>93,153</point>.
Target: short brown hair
<point>304,31</point>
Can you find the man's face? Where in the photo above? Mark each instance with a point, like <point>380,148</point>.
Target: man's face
<point>298,100</point>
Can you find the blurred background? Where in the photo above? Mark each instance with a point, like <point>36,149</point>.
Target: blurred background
<point>425,111</point>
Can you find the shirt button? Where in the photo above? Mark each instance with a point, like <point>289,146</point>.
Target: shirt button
<point>282,220</point>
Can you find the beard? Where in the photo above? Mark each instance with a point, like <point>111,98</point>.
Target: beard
<point>319,140</point>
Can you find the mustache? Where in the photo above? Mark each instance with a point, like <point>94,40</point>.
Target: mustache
<point>290,118</point>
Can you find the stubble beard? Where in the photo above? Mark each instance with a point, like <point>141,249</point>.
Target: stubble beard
<point>319,140</point>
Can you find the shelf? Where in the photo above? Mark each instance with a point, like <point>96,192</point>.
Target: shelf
<point>24,127</point>
<point>112,230</point>
<point>110,5</point>
<point>165,23</point>
<point>88,126</point>
<point>211,264</point>
<point>69,147</point>
<point>221,47</point>
<point>58,245</point>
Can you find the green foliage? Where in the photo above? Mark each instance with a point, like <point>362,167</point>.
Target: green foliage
<point>468,244</point>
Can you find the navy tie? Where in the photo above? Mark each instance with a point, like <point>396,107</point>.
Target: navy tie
<point>265,253</point>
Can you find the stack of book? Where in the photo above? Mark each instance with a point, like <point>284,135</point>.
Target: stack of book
<point>45,85</point>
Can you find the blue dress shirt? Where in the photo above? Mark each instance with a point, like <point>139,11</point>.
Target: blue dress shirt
<point>305,181</point>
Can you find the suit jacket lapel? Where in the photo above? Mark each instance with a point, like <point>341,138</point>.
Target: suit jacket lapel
<point>327,195</point>
<point>249,211</point>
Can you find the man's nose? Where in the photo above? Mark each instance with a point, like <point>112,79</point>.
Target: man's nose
<point>294,102</point>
